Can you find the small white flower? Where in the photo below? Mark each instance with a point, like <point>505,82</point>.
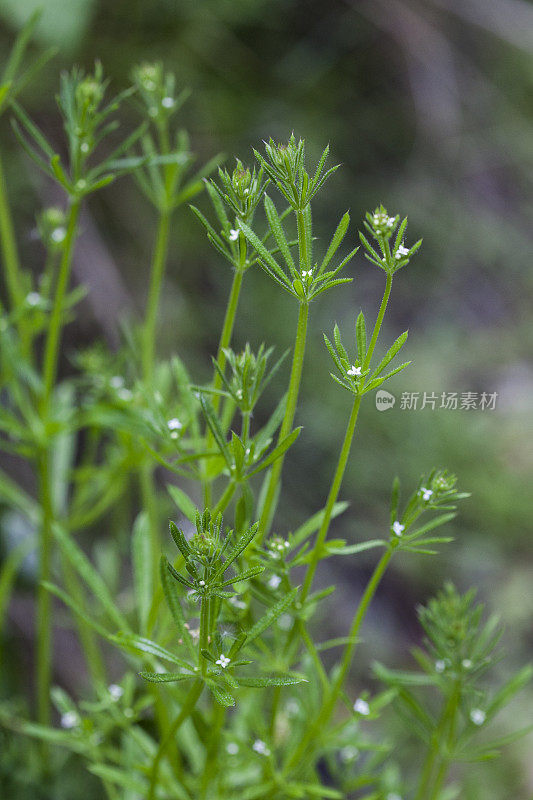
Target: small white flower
<point>223,661</point>
<point>478,716</point>
<point>201,583</point>
<point>354,371</point>
<point>440,665</point>
<point>467,664</point>
<point>117,382</point>
<point>401,252</point>
<point>307,273</point>
<point>232,748</point>
<point>361,707</point>
<point>390,222</point>
<point>115,691</point>
<point>84,147</point>
<point>174,424</point>
<point>274,581</point>
<point>59,233</point>
<point>33,299</point>
<point>124,394</point>
<point>233,235</point>
<point>349,753</point>
<point>426,493</point>
<point>260,747</point>
<point>397,528</point>
<point>69,719</point>
<point>167,102</point>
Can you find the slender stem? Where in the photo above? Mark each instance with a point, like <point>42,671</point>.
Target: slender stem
<point>379,320</point>
<point>286,426</point>
<point>227,330</point>
<point>332,499</point>
<point>10,255</point>
<point>225,341</point>
<point>51,352</point>
<point>328,703</point>
<point>157,271</point>
<point>190,701</point>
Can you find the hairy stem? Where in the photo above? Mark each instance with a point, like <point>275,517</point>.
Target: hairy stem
<point>288,419</point>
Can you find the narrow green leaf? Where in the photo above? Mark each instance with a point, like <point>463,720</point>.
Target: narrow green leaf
<point>166,677</point>
<point>336,241</point>
<point>278,451</point>
<point>174,606</point>
<point>271,616</point>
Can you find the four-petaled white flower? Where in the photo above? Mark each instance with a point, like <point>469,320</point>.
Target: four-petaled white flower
<point>274,581</point>
<point>115,691</point>
<point>201,583</point>
<point>467,664</point>
<point>478,716</point>
<point>426,493</point>
<point>233,235</point>
<point>440,665</point>
<point>354,371</point>
<point>397,528</point>
<point>260,747</point>
<point>361,707</point>
<point>167,102</point>
<point>307,273</point>
<point>401,252</point>
<point>69,719</point>
<point>223,661</point>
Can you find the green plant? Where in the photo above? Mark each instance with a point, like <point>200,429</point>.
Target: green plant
<point>227,621</point>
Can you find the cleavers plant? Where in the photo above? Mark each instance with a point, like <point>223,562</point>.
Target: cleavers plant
<point>224,692</point>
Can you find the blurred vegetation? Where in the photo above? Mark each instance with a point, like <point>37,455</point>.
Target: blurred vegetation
<point>426,103</point>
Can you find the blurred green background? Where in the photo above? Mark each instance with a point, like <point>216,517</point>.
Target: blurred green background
<point>428,106</point>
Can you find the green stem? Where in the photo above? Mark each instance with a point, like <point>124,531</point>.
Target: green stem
<point>227,330</point>
<point>379,320</point>
<point>328,704</point>
<point>157,271</point>
<point>51,351</point>
<point>190,701</point>
<point>288,419</point>
<point>332,499</point>
<point>225,341</point>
